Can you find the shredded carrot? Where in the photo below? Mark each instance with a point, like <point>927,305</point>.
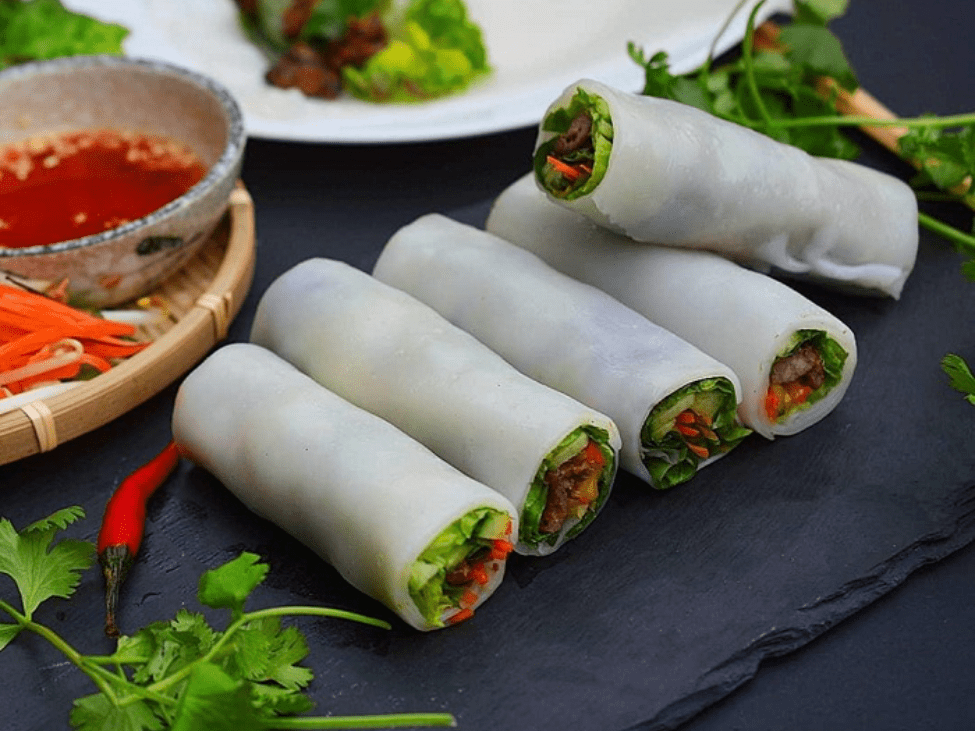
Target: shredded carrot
<point>480,575</point>
<point>566,170</point>
<point>500,549</point>
<point>699,450</point>
<point>687,431</point>
<point>468,599</point>
<point>37,333</point>
<point>461,616</point>
<point>687,417</point>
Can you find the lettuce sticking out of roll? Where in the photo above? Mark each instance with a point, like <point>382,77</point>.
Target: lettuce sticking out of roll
<point>572,163</point>
<point>692,425</point>
<point>446,579</point>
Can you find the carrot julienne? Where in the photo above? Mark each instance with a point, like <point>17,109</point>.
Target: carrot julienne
<point>571,173</point>
<point>42,340</point>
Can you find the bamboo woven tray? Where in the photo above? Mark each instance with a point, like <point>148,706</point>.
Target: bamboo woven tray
<point>201,300</point>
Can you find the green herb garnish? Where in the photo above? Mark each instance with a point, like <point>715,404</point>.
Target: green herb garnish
<point>180,674</point>
<point>960,375</point>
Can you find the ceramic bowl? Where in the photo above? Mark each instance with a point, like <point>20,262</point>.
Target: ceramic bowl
<point>120,93</point>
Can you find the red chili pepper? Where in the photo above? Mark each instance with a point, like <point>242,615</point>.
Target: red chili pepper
<point>123,525</point>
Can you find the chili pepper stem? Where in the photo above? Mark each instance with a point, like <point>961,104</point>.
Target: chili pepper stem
<point>115,562</point>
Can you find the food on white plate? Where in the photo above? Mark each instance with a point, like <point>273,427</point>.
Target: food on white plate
<point>395,520</point>
<point>675,406</point>
<point>376,50</point>
<point>389,353</point>
<point>662,172</point>
<point>794,359</point>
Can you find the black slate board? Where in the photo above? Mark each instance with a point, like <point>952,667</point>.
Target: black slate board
<point>670,600</point>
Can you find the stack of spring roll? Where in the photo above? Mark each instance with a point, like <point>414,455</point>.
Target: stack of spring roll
<point>660,205</point>
<point>476,394</point>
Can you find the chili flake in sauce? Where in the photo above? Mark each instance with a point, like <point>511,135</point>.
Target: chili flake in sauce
<point>65,186</point>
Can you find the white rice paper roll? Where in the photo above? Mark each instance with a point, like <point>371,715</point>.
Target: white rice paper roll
<point>558,330</point>
<point>741,317</point>
<point>679,176</point>
<point>357,491</point>
<point>394,356</point>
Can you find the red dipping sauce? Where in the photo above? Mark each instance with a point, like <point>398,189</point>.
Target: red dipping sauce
<point>65,186</point>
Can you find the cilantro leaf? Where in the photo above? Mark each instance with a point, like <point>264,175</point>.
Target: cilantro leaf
<point>163,648</point>
<point>820,11</point>
<point>40,570</point>
<point>215,701</point>
<point>181,674</point>
<point>228,586</point>
<point>818,52</point>
<point>960,374</point>
<point>766,87</point>
<point>265,652</point>
<point>98,713</point>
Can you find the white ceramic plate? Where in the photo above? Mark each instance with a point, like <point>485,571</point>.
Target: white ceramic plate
<point>536,49</point>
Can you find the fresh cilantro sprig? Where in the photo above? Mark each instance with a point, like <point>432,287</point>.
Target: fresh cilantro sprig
<point>182,674</point>
<point>960,374</point>
<point>789,91</point>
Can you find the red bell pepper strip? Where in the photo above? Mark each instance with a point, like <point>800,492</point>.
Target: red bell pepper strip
<point>124,523</point>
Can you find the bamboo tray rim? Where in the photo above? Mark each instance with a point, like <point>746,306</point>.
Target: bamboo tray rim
<point>43,424</point>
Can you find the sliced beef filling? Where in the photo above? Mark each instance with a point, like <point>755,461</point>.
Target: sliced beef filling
<point>304,68</point>
<point>319,73</point>
<point>804,366</point>
<point>571,486</point>
<point>577,137</point>
<point>793,379</point>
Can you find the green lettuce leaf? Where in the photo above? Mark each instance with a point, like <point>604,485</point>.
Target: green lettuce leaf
<point>462,539</point>
<point>960,374</point>
<point>433,51</point>
<point>35,30</point>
